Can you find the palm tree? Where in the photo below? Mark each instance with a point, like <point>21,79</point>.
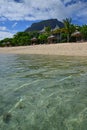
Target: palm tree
<point>67,23</point>
<point>83,30</point>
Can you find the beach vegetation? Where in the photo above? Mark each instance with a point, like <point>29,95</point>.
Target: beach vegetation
<point>83,30</point>
<point>43,38</point>
<point>63,34</point>
<point>68,27</point>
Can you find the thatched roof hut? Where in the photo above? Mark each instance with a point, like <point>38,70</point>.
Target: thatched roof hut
<point>43,30</point>
<point>7,44</point>
<point>56,27</point>
<point>34,40</point>
<point>76,34</point>
<point>51,39</point>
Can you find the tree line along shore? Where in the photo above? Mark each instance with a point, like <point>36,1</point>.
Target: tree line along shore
<point>69,33</point>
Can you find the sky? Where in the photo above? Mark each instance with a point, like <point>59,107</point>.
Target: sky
<point>17,15</point>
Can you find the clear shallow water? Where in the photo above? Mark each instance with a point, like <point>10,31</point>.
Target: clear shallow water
<point>43,92</point>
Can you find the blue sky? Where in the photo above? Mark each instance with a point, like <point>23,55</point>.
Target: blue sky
<point>17,15</point>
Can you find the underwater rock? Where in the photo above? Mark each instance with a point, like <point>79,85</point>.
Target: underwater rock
<point>7,117</point>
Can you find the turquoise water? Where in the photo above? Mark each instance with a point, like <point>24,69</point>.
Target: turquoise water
<point>43,92</point>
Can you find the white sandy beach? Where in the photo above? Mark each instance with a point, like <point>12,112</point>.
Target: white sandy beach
<point>67,49</point>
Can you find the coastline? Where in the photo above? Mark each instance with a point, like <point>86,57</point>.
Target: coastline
<point>62,49</point>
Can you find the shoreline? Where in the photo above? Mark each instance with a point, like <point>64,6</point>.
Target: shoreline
<point>62,49</point>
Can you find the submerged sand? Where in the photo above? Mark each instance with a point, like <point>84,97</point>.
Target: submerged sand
<point>67,49</point>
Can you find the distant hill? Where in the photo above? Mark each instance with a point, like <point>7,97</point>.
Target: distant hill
<point>40,25</point>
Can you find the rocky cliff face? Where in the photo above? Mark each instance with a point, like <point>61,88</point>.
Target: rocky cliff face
<point>45,23</point>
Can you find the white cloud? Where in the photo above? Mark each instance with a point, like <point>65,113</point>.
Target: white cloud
<point>5,35</point>
<point>14,24</point>
<point>3,28</point>
<point>66,1</point>
<point>38,9</point>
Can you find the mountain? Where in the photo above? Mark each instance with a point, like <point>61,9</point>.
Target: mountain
<point>45,23</point>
